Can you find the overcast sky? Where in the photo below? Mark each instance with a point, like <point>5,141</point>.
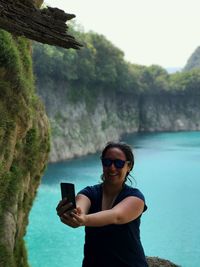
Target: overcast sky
<point>162,32</point>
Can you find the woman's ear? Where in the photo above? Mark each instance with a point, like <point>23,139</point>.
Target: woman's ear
<point>130,166</point>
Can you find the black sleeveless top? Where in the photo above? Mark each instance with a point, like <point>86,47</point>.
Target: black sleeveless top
<point>113,245</point>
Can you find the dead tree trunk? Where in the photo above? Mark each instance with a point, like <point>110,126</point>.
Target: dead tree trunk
<point>46,25</point>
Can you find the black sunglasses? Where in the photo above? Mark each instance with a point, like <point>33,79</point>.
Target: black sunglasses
<point>118,163</point>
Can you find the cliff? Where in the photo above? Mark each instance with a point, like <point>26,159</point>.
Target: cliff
<point>85,126</point>
<point>170,112</point>
<point>82,128</point>
<point>24,146</point>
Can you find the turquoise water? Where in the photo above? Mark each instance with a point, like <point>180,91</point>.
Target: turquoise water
<point>167,171</point>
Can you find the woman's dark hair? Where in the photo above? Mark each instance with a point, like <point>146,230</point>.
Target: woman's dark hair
<point>123,147</point>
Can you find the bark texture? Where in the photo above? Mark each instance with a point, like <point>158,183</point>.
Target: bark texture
<point>46,25</point>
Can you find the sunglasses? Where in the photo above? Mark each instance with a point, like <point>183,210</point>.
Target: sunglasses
<point>118,163</point>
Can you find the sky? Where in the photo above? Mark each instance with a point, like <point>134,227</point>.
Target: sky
<point>161,32</point>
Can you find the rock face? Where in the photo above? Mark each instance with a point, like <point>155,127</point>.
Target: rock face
<point>169,112</point>
<point>78,130</point>
<point>24,146</point>
<point>81,128</point>
<point>157,262</point>
<point>193,61</point>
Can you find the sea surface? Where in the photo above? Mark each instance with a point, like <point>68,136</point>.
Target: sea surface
<point>167,171</point>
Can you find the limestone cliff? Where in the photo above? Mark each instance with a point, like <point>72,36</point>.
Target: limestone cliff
<point>24,146</point>
<point>170,112</point>
<point>84,127</point>
<point>78,129</point>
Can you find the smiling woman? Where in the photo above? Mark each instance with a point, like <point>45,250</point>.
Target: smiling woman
<point>110,212</point>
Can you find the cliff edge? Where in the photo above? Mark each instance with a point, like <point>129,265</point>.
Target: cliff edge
<point>24,146</point>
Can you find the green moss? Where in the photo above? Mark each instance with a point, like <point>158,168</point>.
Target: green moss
<point>15,62</point>
<point>9,58</point>
<point>7,125</point>
<point>24,46</point>
<point>4,87</point>
<point>4,183</point>
<point>31,147</point>
<point>21,254</point>
<point>16,175</point>
<point>45,146</point>
<point>6,258</point>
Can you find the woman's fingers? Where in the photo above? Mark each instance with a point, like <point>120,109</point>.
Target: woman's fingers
<point>64,208</point>
<point>78,218</point>
<point>67,215</point>
<point>69,223</point>
<point>61,203</point>
<point>69,220</point>
<point>78,210</point>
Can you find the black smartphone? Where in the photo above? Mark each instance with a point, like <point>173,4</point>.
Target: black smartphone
<point>68,191</point>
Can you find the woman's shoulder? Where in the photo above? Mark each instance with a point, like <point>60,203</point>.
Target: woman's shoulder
<point>133,191</point>
<point>90,190</point>
<point>93,187</point>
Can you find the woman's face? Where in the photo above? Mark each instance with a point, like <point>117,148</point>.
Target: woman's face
<point>112,174</point>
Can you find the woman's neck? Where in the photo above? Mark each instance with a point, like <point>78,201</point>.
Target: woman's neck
<point>109,195</point>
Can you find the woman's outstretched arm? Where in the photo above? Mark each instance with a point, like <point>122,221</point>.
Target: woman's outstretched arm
<point>127,210</point>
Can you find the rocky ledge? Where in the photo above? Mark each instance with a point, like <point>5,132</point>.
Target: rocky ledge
<point>157,262</point>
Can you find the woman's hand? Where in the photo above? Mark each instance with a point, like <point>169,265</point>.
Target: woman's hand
<point>64,210</point>
<point>63,207</point>
<point>69,220</point>
<point>66,214</point>
<point>79,217</point>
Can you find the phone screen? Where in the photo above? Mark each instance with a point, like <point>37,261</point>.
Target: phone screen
<point>68,191</point>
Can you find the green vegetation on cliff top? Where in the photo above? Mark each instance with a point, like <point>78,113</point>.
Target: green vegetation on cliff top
<point>100,67</point>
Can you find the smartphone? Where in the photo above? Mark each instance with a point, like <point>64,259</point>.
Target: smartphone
<point>68,191</point>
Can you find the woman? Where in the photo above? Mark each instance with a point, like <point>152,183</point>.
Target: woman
<point>110,212</point>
